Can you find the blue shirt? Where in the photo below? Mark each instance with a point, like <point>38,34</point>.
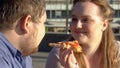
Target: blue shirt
<point>10,57</point>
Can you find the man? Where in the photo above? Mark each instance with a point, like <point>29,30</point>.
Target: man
<point>21,31</point>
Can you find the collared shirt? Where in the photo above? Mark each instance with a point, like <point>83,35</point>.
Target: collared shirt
<point>10,57</point>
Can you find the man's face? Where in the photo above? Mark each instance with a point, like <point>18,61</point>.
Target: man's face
<point>37,32</point>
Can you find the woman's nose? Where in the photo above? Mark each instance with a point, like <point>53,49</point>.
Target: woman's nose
<point>79,24</point>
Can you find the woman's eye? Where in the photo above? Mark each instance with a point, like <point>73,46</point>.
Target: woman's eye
<point>74,20</point>
<point>85,20</point>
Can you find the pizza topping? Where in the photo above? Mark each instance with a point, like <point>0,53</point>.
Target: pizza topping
<point>73,45</point>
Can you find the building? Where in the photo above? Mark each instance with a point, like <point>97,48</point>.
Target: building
<point>59,14</point>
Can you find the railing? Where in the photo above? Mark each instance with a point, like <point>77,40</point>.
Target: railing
<point>56,29</point>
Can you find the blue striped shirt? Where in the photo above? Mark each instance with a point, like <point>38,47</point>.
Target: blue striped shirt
<point>10,57</point>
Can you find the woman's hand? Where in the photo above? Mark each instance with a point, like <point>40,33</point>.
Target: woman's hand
<point>67,58</point>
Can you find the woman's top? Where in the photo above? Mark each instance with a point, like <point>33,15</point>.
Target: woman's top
<point>53,58</point>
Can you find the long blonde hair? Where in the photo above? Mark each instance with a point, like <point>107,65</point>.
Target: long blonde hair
<point>107,47</point>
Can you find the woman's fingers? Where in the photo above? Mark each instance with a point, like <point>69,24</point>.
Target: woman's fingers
<point>63,55</point>
<point>71,60</point>
<point>67,57</point>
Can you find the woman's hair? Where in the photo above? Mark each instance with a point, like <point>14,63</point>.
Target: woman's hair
<point>11,11</point>
<point>107,46</point>
<point>106,11</point>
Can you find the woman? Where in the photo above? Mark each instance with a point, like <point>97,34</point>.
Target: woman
<point>91,27</point>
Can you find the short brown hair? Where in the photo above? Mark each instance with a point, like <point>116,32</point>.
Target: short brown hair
<point>13,10</point>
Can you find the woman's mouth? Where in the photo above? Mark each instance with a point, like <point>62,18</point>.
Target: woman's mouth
<point>79,32</point>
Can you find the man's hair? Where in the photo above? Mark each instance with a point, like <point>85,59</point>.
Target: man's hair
<point>11,11</point>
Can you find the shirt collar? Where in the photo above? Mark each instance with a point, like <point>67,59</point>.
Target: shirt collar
<point>10,47</point>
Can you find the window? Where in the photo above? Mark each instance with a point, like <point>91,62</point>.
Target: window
<point>114,1</point>
<point>53,14</point>
<point>117,13</point>
<point>63,14</point>
<point>48,14</point>
<point>58,14</point>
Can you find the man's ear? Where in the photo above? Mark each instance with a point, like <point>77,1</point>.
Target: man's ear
<point>25,23</point>
<point>105,25</point>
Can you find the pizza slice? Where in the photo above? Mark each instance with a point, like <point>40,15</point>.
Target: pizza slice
<point>73,45</point>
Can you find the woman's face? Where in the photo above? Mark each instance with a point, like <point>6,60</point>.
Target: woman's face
<point>87,25</point>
